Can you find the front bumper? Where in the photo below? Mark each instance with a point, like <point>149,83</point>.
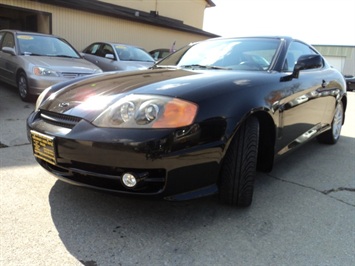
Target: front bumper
<point>171,166</point>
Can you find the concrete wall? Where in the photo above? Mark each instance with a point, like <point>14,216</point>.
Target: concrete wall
<point>340,57</point>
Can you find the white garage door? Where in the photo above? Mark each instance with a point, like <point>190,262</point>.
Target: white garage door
<point>336,61</point>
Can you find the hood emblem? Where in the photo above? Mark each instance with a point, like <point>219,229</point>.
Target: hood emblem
<point>64,104</point>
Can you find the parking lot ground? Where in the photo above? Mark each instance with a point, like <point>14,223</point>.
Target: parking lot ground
<point>303,212</point>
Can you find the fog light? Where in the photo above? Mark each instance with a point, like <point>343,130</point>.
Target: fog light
<point>129,180</point>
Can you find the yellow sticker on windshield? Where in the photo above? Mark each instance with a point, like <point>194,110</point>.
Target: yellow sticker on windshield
<point>120,47</point>
<point>24,37</point>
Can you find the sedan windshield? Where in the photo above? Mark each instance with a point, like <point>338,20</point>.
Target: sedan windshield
<point>37,45</point>
<point>233,54</point>
<point>131,53</point>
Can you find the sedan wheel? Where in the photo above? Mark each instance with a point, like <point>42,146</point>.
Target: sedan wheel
<point>22,86</point>
<point>332,135</point>
<point>239,166</point>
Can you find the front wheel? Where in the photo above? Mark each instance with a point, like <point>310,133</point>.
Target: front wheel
<point>22,86</point>
<point>239,166</point>
<point>332,135</point>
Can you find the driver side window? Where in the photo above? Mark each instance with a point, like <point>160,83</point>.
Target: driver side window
<point>107,49</point>
<point>295,50</point>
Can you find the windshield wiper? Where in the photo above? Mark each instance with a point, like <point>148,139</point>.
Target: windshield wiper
<point>205,67</point>
<point>62,55</point>
<point>164,66</point>
<point>29,53</point>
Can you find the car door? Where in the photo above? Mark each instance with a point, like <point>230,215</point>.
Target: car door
<point>2,61</point>
<point>302,110</point>
<point>107,59</point>
<point>92,53</point>
<point>8,64</point>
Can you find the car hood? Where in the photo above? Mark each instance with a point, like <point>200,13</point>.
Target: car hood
<point>135,65</point>
<point>63,64</point>
<point>89,97</point>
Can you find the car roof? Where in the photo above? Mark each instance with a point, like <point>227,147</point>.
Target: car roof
<point>281,38</point>
<point>116,43</point>
<point>27,32</point>
<point>254,37</point>
<point>160,49</point>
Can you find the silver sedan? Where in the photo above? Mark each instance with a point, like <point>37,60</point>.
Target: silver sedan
<point>34,61</point>
<point>117,57</point>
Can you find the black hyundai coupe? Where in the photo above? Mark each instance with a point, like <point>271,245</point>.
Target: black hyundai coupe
<point>201,121</point>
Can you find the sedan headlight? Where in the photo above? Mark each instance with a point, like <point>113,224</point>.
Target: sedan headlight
<point>42,71</point>
<point>98,70</point>
<point>148,111</point>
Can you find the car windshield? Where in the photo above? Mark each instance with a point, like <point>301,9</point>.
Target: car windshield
<point>45,46</point>
<point>232,54</point>
<point>131,53</point>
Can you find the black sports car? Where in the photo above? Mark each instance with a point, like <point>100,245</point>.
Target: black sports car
<point>350,82</point>
<point>201,121</point>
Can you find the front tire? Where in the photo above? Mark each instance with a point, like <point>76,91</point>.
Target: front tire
<point>332,135</point>
<point>22,86</point>
<point>239,166</point>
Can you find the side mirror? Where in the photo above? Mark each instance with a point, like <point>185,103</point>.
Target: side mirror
<point>307,62</point>
<point>9,50</point>
<point>109,56</point>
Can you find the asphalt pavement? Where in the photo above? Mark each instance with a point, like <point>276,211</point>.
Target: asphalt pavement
<point>303,212</point>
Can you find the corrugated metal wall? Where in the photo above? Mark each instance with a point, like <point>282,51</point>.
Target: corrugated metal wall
<point>335,50</point>
<point>82,28</point>
<point>342,57</point>
<point>191,12</point>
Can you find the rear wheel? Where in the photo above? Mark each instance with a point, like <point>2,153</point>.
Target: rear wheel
<point>22,86</point>
<point>239,166</point>
<point>332,135</point>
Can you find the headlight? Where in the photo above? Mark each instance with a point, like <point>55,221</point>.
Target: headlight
<point>98,70</point>
<point>41,71</point>
<point>148,111</point>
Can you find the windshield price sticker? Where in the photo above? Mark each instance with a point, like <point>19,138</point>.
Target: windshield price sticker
<point>43,147</point>
<point>24,37</point>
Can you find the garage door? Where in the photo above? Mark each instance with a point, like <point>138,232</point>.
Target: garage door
<point>336,61</point>
<point>24,19</point>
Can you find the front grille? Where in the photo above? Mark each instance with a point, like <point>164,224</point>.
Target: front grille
<point>59,119</point>
<point>74,75</point>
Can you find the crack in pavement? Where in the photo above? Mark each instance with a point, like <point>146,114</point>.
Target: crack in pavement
<point>324,192</point>
<point>2,145</point>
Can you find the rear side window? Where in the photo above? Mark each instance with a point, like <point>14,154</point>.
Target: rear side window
<point>92,49</point>
<point>8,40</point>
